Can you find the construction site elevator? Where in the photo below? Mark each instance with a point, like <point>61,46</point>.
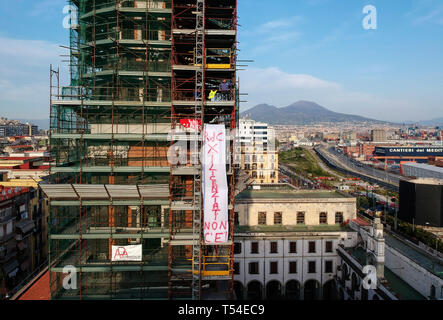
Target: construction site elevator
<point>146,76</point>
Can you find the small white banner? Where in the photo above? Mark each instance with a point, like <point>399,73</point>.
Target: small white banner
<point>127,253</point>
<point>215,185</point>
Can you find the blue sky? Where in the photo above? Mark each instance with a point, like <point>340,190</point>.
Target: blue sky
<point>302,50</point>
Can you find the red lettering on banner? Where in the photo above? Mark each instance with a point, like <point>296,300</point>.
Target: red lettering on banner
<point>212,148</point>
<point>215,203</point>
<point>120,254</point>
<point>217,236</point>
<point>191,123</point>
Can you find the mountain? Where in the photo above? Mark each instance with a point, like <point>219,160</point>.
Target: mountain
<point>433,122</point>
<point>301,112</point>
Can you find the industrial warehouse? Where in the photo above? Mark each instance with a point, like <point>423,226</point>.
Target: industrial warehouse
<point>408,153</point>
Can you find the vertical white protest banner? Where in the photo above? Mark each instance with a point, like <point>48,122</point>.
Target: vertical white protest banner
<point>215,185</point>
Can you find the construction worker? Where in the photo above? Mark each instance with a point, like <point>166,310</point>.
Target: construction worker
<point>197,94</point>
<point>224,88</point>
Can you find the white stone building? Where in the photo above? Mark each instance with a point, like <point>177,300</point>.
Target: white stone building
<point>286,242</point>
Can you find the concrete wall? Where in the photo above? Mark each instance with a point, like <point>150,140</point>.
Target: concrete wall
<point>248,213</point>
<point>415,275</point>
<point>283,257</point>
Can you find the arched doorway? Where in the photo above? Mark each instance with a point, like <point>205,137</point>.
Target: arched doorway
<point>330,290</point>
<point>292,290</point>
<point>273,290</point>
<point>432,295</point>
<point>342,294</point>
<point>345,272</point>
<point>312,290</point>
<point>364,294</point>
<point>255,290</point>
<point>355,283</point>
<point>238,289</point>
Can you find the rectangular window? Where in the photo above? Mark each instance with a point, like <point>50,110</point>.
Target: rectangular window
<point>293,247</point>
<point>300,217</point>
<point>328,266</point>
<point>262,218</point>
<point>328,246</point>
<point>311,248</point>
<point>323,218</point>
<point>274,247</point>
<point>311,267</point>
<point>253,268</point>
<point>339,217</point>
<point>236,267</point>
<point>277,217</point>
<point>273,267</point>
<point>254,247</point>
<point>9,227</point>
<point>236,221</point>
<point>237,248</point>
<point>292,266</point>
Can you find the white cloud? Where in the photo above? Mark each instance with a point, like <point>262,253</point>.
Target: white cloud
<point>280,31</point>
<point>280,23</point>
<point>430,11</point>
<point>276,87</point>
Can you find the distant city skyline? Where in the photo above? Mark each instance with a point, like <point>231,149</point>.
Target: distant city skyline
<point>313,50</point>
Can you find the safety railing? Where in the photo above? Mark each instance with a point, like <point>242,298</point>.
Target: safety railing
<point>216,266</point>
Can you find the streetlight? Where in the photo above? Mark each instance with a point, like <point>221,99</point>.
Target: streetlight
<point>394,200</point>
<point>373,199</point>
<point>436,238</point>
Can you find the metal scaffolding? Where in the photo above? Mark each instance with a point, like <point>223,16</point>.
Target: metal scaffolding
<point>203,56</point>
<point>138,69</point>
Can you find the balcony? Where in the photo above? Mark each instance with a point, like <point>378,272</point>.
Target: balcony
<point>24,229</point>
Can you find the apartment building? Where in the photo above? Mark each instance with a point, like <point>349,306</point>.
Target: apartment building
<point>256,152</point>
<point>23,234</point>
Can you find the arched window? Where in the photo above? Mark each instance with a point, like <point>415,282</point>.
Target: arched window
<point>345,272</point>
<point>354,282</point>
<point>432,292</point>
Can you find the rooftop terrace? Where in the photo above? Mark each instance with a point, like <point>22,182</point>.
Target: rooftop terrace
<point>426,261</point>
<point>394,283</point>
<point>286,191</point>
<point>294,228</point>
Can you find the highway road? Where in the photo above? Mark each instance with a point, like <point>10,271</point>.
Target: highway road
<point>352,167</point>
